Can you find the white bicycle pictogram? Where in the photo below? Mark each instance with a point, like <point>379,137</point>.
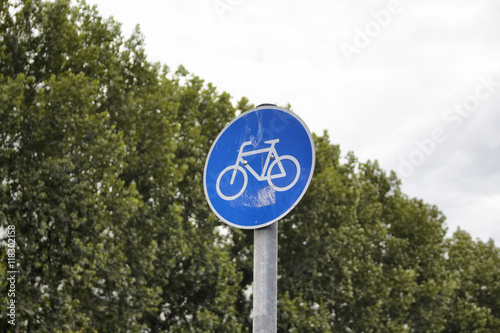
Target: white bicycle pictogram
<point>272,155</point>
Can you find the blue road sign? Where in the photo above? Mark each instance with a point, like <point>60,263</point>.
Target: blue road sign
<point>259,167</point>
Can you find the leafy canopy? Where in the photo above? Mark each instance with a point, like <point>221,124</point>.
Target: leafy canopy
<point>101,162</point>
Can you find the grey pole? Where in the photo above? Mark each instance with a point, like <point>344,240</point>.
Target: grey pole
<point>265,279</point>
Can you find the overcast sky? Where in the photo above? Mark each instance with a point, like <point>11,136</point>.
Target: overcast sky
<point>413,84</point>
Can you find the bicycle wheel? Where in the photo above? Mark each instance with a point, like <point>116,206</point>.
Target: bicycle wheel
<point>279,160</point>
<point>245,182</point>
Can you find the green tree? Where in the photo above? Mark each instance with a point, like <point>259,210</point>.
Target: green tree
<point>101,162</point>
<point>475,304</point>
<point>360,254</point>
<point>97,172</point>
<point>70,208</point>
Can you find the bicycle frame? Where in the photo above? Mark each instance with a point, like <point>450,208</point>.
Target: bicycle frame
<point>271,154</point>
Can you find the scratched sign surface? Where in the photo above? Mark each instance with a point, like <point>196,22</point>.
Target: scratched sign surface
<point>259,167</point>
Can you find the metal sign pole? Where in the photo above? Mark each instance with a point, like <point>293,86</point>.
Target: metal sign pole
<point>265,279</point>
<point>278,144</point>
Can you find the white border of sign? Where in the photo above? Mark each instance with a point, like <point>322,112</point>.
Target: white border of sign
<point>263,107</point>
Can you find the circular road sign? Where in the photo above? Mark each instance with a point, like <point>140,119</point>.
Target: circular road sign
<point>259,167</point>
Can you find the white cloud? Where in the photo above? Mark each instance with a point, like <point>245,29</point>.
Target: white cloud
<point>392,94</point>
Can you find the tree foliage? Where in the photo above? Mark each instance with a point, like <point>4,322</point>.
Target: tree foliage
<point>101,163</point>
